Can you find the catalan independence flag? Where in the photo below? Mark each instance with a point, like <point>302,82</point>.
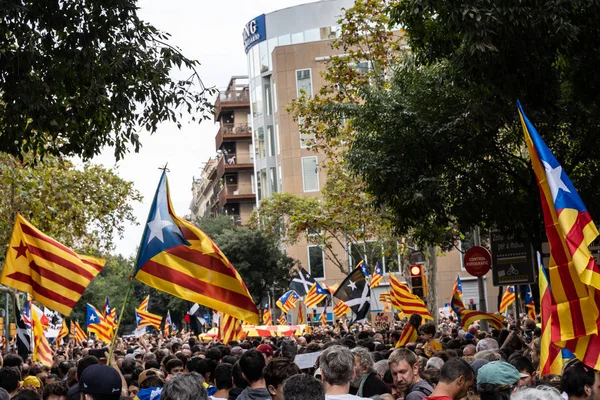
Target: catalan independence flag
<point>456,302</point>
<point>507,299</point>
<point>145,318</point>
<point>409,335</point>
<point>340,309</point>
<point>51,273</point>
<point>63,332</point>
<point>572,272</point>
<point>178,258</point>
<point>267,316</point>
<point>315,295</point>
<point>529,304</point>
<point>469,317</point>
<point>168,324</point>
<point>287,301</point>
<point>42,351</point>
<point>323,317</point>
<point>97,324</point>
<point>377,276</point>
<point>144,304</point>
<point>408,302</point>
<point>230,329</point>
<point>78,333</point>
<point>301,319</point>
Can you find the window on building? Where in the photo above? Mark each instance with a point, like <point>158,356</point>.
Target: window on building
<point>316,262</point>
<point>253,183</point>
<point>307,140</point>
<point>273,179</point>
<point>303,82</point>
<point>280,176</point>
<point>274,95</point>
<point>261,142</point>
<point>268,103</point>
<point>310,174</point>
<point>277,137</point>
<point>272,144</point>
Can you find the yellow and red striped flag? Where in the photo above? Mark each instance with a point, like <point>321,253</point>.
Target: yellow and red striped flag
<point>324,315</point>
<point>385,296</point>
<point>167,327</point>
<point>267,316</point>
<point>178,258</point>
<point>230,329</point>
<point>53,274</point>
<point>529,304</point>
<point>282,319</point>
<point>78,332</point>
<point>315,295</point>
<point>507,299</point>
<point>64,331</point>
<point>144,304</point>
<point>97,324</point>
<point>409,335</point>
<point>42,351</point>
<point>551,361</point>
<point>145,318</point>
<point>377,276</point>
<point>301,319</point>
<point>408,303</point>
<point>469,317</point>
<point>340,309</point>
<point>573,274</point>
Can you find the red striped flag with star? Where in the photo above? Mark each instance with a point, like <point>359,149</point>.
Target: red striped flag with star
<point>178,258</point>
<point>340,309</point>
<point>267,316</point>
<point>145,318</point>
<point>324,315</point>
<point>408,303</point>
<point>550,354</point>
<point>51,273</point>
<point>507,299</point>
<point>315,295</point>
<point>282,319</point>
<point>377,276</point>
<point>572,272</point>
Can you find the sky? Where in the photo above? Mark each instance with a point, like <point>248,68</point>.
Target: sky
<point>208,31</point>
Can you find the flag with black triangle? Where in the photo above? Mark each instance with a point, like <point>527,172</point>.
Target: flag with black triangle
<point>302,282</point>
<point>356,293</point>
<point>23,334</point>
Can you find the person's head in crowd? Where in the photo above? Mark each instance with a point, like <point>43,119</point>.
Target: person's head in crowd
<point>100,382</point>
<point>152,364</point>
<point>174,367</point>
<point>25,369</point>
<point>55,391</point>
<point>10,379</point>
<point>496,380</point>
<point>223,376</point>
<point>13,360</point>
<point>203,366</point>
<point>229,359</point>
<point>405,371</point>
<point>175,347</point>
<point>84,363</point>
<point>456,378</point>
<point>275,373</point>
<point>434,362</point>
<point>337,369</point>
<point>164,362</point>
<point>303,387</point>
<point>128,366</point>
<point>469,351</point>
<point>132,390</point>
<point>252,364</point>
<point>267,352</point>
<point>27,394</point>
<point>525,368</point>
<point>580,381</point>
<point>381,367</point>
<point>552,380</point>
<point>214,353</point>
<point>487,344</point>
<point>490,355</point>
<point>239,382</point>
<point>184,387</point>
<point>32,383</point>
<point>363,364</point>
<point>539,393</point>
<point>151,381</point>
<point>51,379</point>
<point>63,369</point>
<point>289,349</point>
<point>431,376</point>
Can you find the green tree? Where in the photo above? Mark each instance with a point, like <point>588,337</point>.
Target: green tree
<point>84,208</point>
<point>254,253</point>
<point>76,76</point>
<point>444,145</point>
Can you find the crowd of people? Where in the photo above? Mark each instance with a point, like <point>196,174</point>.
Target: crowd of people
<point>444,363</point>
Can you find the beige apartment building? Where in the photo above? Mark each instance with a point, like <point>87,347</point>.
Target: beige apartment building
<point>286,51</point>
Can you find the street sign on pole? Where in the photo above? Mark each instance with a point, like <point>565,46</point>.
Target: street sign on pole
<point>512,259</point>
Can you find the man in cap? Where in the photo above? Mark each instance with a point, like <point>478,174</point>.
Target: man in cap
<point>497,380</point>
<point>267,352</point>
<point>100,382</point>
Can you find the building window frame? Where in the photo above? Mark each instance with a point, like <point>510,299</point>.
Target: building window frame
<point>318,278</point>
<point>318,188</point>
<point>310,80</point>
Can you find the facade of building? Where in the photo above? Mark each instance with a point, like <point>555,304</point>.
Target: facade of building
<point>286,51</point>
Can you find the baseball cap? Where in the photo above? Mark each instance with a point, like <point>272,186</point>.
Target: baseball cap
<point>497,374</point>
<point>265,349</point>
<point>100,379</point>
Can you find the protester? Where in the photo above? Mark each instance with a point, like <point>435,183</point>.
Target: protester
<point>184,387</point>
<point>405,372</point>
<point>223,377</point>
<point>580,382</point>
<point>337,370</point>
<point>456,378</point>
<point>365,383</point>
<point>252,364</point>
<point>303,387</point>
<point>497,380</point>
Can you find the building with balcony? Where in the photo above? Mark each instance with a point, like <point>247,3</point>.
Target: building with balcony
<point>286,53</point>
<point>227,183</point>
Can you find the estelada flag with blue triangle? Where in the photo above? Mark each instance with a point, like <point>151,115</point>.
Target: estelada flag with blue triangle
<point>178,258</point>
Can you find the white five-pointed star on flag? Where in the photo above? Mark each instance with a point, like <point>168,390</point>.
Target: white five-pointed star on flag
<point>555,182</point>
<point>352,285</point>
<point>156,227</point>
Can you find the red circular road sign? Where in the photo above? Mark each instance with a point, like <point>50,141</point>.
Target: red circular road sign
<point>478,261</point>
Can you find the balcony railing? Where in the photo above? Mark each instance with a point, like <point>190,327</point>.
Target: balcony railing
<point>231,194</point>
<point>232,131</point>
<point>231,98</point>
<point>231,162</point>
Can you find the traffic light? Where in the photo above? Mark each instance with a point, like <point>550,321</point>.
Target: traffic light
<point>418,281</point>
